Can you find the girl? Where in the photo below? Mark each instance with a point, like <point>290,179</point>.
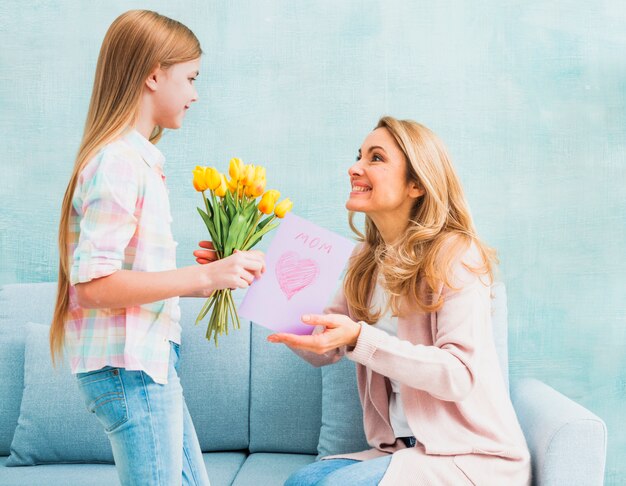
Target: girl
<point>414,314</point>
<point>117,306</point>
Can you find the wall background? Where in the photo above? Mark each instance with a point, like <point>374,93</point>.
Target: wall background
<point>530,98</point>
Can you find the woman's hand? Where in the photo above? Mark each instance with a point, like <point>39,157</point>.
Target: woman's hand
<point>339,331</point>
<point>205,256</point>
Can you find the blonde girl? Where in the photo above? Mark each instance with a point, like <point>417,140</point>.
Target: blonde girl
<point>414,314</point>
<point>117,312</point>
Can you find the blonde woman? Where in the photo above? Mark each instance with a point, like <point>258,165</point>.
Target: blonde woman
<point>117,303</point>
<point>414,314</point>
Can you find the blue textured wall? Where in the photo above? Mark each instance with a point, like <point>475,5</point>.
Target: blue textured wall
<point>529,96</point>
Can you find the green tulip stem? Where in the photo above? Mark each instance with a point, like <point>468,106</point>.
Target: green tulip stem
<point>206,204</point>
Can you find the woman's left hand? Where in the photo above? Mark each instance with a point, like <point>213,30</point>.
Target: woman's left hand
<point>339,331</point>
<point>207,255</point>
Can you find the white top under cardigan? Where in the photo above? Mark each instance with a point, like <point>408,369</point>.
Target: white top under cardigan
<point>389,323</point>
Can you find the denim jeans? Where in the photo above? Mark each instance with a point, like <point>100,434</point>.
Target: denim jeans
<point>340,472</point>
<point>152,436</point>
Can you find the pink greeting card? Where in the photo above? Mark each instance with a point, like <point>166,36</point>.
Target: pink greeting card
<point>304,262</point>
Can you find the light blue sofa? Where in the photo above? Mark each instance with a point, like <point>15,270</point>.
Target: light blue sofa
<point>260,412</point>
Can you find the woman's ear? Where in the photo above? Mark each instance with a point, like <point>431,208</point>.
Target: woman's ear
<point>415,191</point>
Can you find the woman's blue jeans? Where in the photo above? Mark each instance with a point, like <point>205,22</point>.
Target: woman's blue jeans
<point>341,472</point>
<point>152,436</point>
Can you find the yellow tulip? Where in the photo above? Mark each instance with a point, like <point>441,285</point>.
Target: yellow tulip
<point>232,185</point>
<point>221,189</point>
<point>236,169</point>
<point>257,187</point>
<point>274,194</point>
<point>283,208</point>
<point>199,182</point>
<point>248,175</point>
<point>212,178</point>
<point>259,172</point>
<point>266,206</point>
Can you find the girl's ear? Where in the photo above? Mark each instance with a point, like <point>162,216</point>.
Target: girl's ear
<point>151,80</point>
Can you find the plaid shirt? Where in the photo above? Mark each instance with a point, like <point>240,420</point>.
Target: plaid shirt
<point>121,220</point>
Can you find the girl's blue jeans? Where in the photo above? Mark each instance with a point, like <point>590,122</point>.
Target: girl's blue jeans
<point>341,472</point>
<point>152,436</point>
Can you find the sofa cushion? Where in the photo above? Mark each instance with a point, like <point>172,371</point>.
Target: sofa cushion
<point>269,469</point>
<point>221,466</point>
<point>11,385</point>
<point>216,381</point>
<point>16,308</point>
<point>285,398</point>
<point>53,425</point>
<point>342,414</point>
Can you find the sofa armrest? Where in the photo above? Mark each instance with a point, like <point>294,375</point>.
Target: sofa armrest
<point>567,442</point>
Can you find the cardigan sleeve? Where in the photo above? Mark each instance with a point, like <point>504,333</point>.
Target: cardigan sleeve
<point>444,369</point>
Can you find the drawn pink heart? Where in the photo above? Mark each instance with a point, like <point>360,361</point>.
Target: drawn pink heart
<point>294,274</point>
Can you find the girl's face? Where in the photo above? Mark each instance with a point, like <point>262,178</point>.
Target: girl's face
<point>175,93</point>
<point>378,180</point>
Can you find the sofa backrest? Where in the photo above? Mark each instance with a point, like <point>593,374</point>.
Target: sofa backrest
<point>246,393</point>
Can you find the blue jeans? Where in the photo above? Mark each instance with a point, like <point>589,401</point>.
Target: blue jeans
<point>339,472</point>
<point>152,436</point>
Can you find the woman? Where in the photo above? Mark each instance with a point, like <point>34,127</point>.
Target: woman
<point>414,314</point>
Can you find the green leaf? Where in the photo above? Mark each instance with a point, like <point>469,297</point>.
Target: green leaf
<point>263,223</point>
<point>209,224</point>
<point>256,237</point>
<point>237,226</point>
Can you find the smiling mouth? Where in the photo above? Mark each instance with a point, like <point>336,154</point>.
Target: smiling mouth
<point>361,189</point>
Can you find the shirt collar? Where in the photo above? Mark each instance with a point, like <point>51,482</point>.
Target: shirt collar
<point>148,151</point>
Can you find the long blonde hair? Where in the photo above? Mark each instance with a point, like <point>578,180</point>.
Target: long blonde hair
<point>137,43</point>
<point>439,228</point>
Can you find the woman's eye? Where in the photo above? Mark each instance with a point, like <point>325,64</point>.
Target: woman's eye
<point>358,157</point>
<point>192,79</point>
<point>376,158</point>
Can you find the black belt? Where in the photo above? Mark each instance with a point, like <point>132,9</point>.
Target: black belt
<point>408,441</point>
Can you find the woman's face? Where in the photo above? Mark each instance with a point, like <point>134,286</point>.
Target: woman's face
<point>378,179</point>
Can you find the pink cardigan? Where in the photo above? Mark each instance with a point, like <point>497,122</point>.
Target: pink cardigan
<point>452,390</point>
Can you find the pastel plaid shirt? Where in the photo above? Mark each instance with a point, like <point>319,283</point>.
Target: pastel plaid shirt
<point>121,220</point>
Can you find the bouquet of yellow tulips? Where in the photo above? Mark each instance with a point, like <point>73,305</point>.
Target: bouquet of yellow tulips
<point>233,214</point>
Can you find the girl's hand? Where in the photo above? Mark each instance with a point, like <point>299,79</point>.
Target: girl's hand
<point>236,271</point>
<point>205,256</point>
<point>339,331</point>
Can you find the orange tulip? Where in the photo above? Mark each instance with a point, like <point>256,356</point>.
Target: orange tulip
<point>266,206</point>
<point>257,188</point>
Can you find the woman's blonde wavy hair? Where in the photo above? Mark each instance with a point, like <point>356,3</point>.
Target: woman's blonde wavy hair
<point>439,229</point>
<point>137,43</point>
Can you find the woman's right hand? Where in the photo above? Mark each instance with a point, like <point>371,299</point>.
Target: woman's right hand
<point>236,271</point>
